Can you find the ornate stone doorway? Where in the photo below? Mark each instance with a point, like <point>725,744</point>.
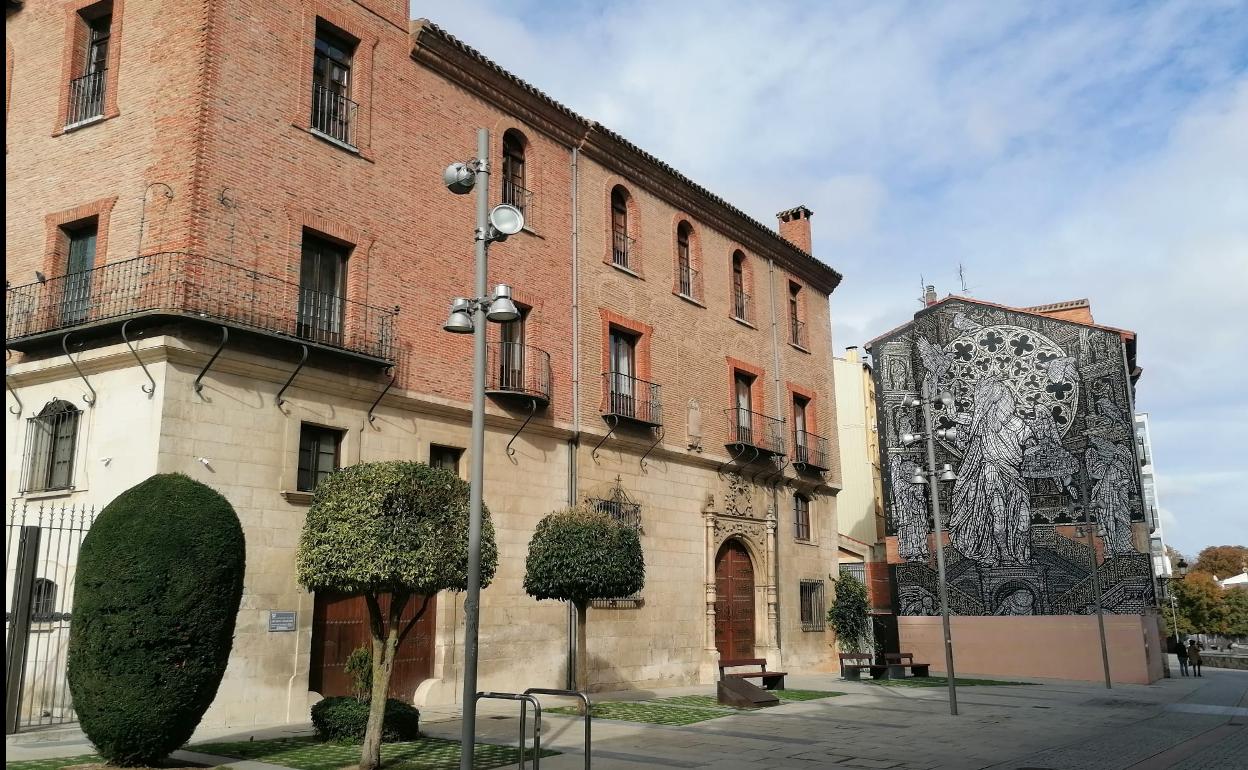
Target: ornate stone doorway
<point>734,602</point>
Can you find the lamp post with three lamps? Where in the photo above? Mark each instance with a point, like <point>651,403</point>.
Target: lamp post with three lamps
<point>1180,572</point>
<point>469,316</point>
<point>945,474</point>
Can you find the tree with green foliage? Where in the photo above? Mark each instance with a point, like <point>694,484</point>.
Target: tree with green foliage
<point>580,554</point>
<point>849,614</point>
<point>156,595</point>
<point>390,530</point>
<point>1236,602</point>
<point>1200,604</point>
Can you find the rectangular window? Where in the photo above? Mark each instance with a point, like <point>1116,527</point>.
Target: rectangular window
<point>319,450</point>
<point>623,373</point>
<point>445,457</point>
<point>86,90</point>
<point>740,301</point>
<point>51,443</point>
<point>619,228</point>
<point>811,598</point>
<point>322,289</point>
<point>800,443</point>
<point>742,384</point>
<point>75,300</point>
<point>332,108</point>
<point>801,518</point>
<point>511,353</point>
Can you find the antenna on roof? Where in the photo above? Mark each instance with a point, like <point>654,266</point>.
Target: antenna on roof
<point>962,279</point>
<point>922,291</point>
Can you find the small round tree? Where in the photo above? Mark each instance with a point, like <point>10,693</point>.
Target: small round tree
<point>160,577</point>
<point>848,614</point>
<point>578,555</point>
<point>390,528</point>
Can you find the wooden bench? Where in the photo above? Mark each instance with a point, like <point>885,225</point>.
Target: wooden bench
<point>853,670</point>
<point>898,662</point>
<point>772,680</point>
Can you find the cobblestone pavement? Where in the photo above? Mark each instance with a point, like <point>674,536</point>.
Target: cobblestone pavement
<point>1186,724</point>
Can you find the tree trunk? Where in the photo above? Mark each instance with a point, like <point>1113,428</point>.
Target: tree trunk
<point>582,651</point>
<point>385,649</point>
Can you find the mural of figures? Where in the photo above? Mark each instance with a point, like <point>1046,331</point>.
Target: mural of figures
<point>1041,406</point>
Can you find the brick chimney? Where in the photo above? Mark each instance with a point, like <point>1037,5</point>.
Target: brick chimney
<point>795,227</point>
<point>929,296</point>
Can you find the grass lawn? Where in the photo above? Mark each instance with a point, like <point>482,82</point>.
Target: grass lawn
<point>940,681</point>
<point>53,764</point>
<point>307,753</point>
<point>682,709</point>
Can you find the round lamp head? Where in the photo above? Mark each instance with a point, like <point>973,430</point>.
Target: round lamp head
<point>947,474</point>
<point>506,219</point>
<point>502,309</point>
<point>458,178</point>
<point>459,322</point>
<point>908,438</point>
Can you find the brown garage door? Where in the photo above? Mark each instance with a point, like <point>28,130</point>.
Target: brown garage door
<point>340,624</point>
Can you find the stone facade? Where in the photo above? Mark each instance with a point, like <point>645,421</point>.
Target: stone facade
<point>204,178</point>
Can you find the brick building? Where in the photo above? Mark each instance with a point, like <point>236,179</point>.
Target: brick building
<point>230,252</point>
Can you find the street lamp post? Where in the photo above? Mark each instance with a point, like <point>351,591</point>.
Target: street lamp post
<point>946,474</point>
<point>1096,576</point>
<point>469,315</point>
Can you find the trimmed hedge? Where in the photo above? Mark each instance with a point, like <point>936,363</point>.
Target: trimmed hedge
<point>343,720</point>
<point>159,580</point>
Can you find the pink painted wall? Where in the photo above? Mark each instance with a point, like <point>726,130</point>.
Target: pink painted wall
<point>1041,646</point>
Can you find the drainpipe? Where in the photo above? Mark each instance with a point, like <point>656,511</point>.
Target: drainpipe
<point>780,401</point>
<point>574,442</point>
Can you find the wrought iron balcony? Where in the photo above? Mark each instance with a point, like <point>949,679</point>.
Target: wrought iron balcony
<point>755,430</point>
<point>621,249</point>
<point>690,281</point>
<point>797,333</point>
<point>632,399</point>
<point>810,451</point>
<point>178,284</point>
<point>522,199</point>
<point>86,97</point>
<point>333,115</point>
<point>513,369</point>
<point>741,306</point>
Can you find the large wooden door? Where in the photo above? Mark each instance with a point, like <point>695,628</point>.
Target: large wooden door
<point>734,602</point>
<point>340,625</point>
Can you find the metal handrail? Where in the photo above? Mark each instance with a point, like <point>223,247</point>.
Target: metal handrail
<point>86,97</point>
<point>202,287</point>
<point>631,398</point>
<point>810,449</point>
<point>621,249</point>
<point>333,114</point>
<point>516,368</point>
<point>584,698</point>
<point>519,197</point>
<point>537,723</point>
<point>755,429</point>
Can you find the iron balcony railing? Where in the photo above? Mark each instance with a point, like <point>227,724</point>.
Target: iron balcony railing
<point>184,284</point>
<point>690,281</point>
<point>86,97</point>
<point>741,305</point>
<point>797,333</point>
<point>621,249</point>
<point>333,115</point>
<point>756,430</point>
<point>516,369</point>
<point>810,450</point>
<point>631,398</point>
<point>522,199</point>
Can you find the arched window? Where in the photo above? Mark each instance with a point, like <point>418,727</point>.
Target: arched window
<point>685,274</point>
<point>43,600</point>
<point>740,300</point>
<point>51,438</point>
<point>514,190</point>
<point>801,517</point>
<point>621,243</point>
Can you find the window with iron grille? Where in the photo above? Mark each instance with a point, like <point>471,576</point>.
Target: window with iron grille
<point>319,455</point>
<point>51,442</point>
<point>616,503</point>
<point>514,178</point>
<point>322,289</point>
<point>332,109</point>
<point>445,457</point>
<point>801,517</point>
<point>855,569</point>
<point>813,610</point>
<point>86,89</point>
<point>43,601</point>
<point>621,243</point>
<point>685,273</point>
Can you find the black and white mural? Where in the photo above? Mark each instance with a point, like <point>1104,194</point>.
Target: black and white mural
<point>1045,458</point>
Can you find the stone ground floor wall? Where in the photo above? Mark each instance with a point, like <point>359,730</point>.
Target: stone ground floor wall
<point>1040,646</point>
<point>234,437</point>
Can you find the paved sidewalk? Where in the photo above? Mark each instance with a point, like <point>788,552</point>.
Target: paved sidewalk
<point>1187,724</point>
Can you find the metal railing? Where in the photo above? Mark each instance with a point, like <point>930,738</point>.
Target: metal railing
<point>86,97</point>
<point>631,398</point>
<point>521,369</point>
<point>621,249</point>
<point>623,511</point>
<point>797,333</point>
<point>333,115</point>
<point>522,199</point>
<point>689,283</point>
<point>756,430</point>
<point>180,283</point>
<point>810,449</point>
<point>741,305</point>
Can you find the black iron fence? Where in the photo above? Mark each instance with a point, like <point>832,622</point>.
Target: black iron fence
<point>333,115</point>
<point>756,430</point>
<point>621,249</point>
<point>86,97</point>
<point>631,398</point>
<point>810,449</point>
<point>741,305</point>
<point>42,541</point>
<point>180,283</point>
<point>521,369</point>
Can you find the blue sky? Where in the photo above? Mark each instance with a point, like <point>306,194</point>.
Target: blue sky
<point>1055,150</point>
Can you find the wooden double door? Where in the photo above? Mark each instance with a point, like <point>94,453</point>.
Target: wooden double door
<point>734,602</point>
<point>340,625</point>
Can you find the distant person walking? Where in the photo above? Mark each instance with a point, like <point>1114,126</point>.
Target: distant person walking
<point>1181,653</point>
<point>1193,656</point>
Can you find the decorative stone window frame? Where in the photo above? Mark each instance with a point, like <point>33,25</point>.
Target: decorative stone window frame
<point>70,51</point>
<point>361,74</point>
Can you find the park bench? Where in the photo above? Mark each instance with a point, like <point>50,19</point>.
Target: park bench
<point>853,670</point>
<point>898,662</point>
<point>772,680</point>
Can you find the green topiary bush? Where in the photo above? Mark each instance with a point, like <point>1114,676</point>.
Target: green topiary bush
<point>160,576</point>
<point>343,720</point>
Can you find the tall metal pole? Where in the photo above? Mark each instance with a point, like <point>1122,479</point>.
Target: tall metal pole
<point>933,482</point>
<point>1096,579</point>
<point>472,603</point>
